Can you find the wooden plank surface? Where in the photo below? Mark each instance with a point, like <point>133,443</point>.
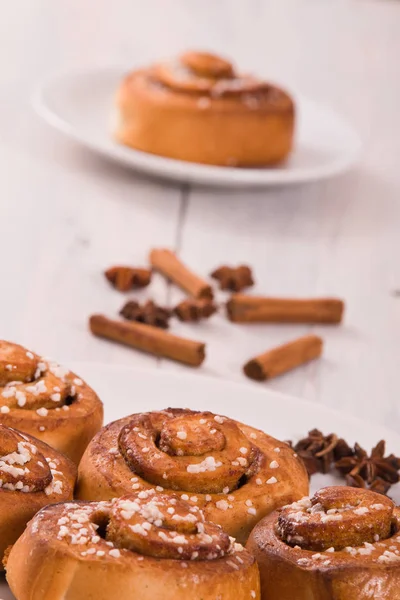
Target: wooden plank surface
<point>67,215</point>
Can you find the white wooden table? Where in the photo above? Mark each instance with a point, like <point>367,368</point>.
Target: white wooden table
<point>66,214</point>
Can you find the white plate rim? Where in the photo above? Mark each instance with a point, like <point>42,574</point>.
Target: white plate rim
<point>206,380</point>
<point>253,388</point>
<point>181,171</point>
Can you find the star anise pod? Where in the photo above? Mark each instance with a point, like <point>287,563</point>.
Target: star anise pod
<point>149,313</point>
<point>372,467</point>
<point>378,485</point>
<point>194,309</point>
<point>234,279</point>
<point>128,278</point>
<point>342,449</point>
<point>318,451</point>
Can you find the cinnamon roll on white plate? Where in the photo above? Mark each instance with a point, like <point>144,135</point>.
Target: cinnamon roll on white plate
<point>197,108</point>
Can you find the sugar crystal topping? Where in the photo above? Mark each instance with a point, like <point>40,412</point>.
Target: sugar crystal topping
<point>38,384</point>
<point>24,469</point>
<point>136,523</point>
<point>359,520</point>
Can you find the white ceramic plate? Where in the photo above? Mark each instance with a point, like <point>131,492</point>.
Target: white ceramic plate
<point>80,104</point>
<point>125,391</point>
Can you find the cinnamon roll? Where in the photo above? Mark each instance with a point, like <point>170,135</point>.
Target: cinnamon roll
<point>198,109</point>
<point>236,474</point>
<point>342,544</point>
<point>32,475</point>
<point>39,397</point>
<point>146,545</point>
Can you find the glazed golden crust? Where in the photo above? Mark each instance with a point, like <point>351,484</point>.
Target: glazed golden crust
<point>32,475</point>
<point>341,521</point>
<point>131,548</point>
<point>236,474</point>
<point>198,109</point>
<point>41,398</point>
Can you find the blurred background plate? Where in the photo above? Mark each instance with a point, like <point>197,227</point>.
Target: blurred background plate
<point>80,104</point>
<point>125,390</point>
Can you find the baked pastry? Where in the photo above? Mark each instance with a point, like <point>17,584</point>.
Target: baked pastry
<point>32,475</point>
<point>342,544</point>
<point>236,474</point>
<point>41,398</point>
<point>147,546</point>
<point>198,109</point>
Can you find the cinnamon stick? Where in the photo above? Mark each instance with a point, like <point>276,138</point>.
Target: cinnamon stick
<point>149,339</point>
<point>169,265</point>
<point>284,358</point>
<point>258,309</point>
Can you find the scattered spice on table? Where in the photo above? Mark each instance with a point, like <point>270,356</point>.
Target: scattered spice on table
<point>242,308</point>
<point>128,278</point>
<point>324,453</point>
<point>192,309</point>
<point>375,470</point>
<point>234,279</point>
<point>318,451</point>
<point>149,313</point>
<point>282,359</point>
<point>172,268</point>
<point>148,338</point>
